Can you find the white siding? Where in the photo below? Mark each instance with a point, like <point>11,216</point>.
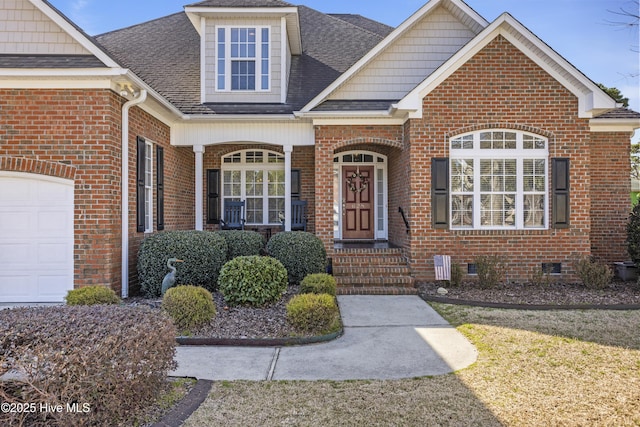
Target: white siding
<point>210,52</point>
<point>26,30</point>
<point>276,133</point>
<point>409,60</point>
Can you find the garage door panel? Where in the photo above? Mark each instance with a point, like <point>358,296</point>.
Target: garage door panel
<point>52,286</point>
<point>53,253</point>
<point>15,286</point>
<point>36,238</point>
<point>15,222</point>
<point>12,254</point>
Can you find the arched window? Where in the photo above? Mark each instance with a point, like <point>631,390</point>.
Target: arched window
<point>257,177</point>
<point>499,180</point>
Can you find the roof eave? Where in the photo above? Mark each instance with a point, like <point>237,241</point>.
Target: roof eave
<point>614,125</point>
<point>591,99</point>
<point>394,35</point>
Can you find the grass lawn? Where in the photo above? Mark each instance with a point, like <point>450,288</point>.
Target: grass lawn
<point>569,368</point>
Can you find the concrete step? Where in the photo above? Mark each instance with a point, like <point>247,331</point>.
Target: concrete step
<point>371,270</point>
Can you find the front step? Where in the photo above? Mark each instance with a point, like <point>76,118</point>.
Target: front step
<point>372,271</point>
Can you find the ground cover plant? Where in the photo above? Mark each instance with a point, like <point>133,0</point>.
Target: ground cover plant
<point>107,362</point>
<point>570,368</point>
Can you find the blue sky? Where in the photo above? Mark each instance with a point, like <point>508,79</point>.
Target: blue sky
<point>576,29</point>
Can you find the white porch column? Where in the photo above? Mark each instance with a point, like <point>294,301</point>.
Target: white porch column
<point>199,150</point>
<point>287,186</point>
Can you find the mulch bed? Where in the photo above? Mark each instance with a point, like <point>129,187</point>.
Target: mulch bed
<point>552,295</point>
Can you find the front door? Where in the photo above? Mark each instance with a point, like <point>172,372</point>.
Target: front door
<point>357,202</point>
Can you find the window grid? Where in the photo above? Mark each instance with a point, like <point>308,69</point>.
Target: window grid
<point>257,177</point>
<point>148,188</point>
<point>511,170</point>
<point>243,59</point>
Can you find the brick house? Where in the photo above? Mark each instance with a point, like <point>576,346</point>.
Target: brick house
<point>446,135</point>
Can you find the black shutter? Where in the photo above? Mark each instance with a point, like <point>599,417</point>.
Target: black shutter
<point>295,184</point>
<point>160,187</point>
<point>140,214</point>
<point>440,192</point>
<point>560,194</point>
<point>213,196</point>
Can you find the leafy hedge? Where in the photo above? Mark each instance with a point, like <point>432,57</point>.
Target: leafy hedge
<point>204,253</point>
<point>242,242</point>
<point>319,283</point>
<point>189,306</point>
<point>633,234</point>
<point>91,295</point>
<point>111,361</point>
<point>252,280</point>
<point>300,252</point>
<point>316,313</point>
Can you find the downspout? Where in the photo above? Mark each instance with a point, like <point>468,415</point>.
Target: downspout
<point>142,96</point>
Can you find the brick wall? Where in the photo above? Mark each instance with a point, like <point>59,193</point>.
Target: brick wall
<point>333,139</point>
<point>500,87</point>
<point>610,188</point>
<point>179,180</point>
<point>79,129</point>
<point>76,134</point>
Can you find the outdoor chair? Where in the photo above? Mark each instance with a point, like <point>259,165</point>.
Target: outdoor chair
<point>298,215</point>
<point>233,216</point>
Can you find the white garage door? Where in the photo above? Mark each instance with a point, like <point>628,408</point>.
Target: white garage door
<point>36,238</point>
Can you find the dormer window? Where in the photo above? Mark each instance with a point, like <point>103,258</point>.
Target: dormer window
<point>243,59</point>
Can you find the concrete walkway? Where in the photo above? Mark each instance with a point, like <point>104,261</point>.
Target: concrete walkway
<point>385,337</point>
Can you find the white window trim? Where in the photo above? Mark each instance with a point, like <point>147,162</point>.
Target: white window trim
<point>228,59</point>
<point>243,167</point>
<point>148,187</point>
<point>519,154</point>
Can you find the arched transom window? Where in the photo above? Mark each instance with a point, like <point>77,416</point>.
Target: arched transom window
<point>257,177</point>
<point>499,180</point>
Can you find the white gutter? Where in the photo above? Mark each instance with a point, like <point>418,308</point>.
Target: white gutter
<point>142,96</point>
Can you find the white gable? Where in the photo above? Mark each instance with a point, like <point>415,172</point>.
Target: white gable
<point>410,59</point>
<point>24,29</point>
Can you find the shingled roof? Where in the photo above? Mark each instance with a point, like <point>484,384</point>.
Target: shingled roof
<point>620,113</point>
<point>165,53</point>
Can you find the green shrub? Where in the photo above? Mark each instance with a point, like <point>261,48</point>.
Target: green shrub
<point>113,359</point>
<point>316,313</point>
<point>242,242</point>
<point>300,252</point>
<point>490,269</point>
<point>592,273</point>
<point>204,253</point>
<point>91,295</point>
<point>318,283</point>
<point>252,280</point>
<point>189,306</point>
<point>633,234</point>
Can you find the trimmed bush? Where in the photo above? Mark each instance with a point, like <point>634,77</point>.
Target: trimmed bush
<point>189,306</point>
<point>252,280</point>
<point>204,253</point>
<point>316,313</point>
<point>318,283</point>
<point>242,242</point>
<point>592,273</point>
<point>92,295</point>
<point>633,234</point>
<point>112,361</point>
<point>300,252</point>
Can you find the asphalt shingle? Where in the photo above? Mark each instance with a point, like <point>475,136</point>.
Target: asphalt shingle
<point>165,53</point>
<point>50,61</point>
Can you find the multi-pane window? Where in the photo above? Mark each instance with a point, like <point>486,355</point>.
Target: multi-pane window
<point>148,188</point>
<point>257,177</point>
<point>499,179</point>
<point>243,59</point>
